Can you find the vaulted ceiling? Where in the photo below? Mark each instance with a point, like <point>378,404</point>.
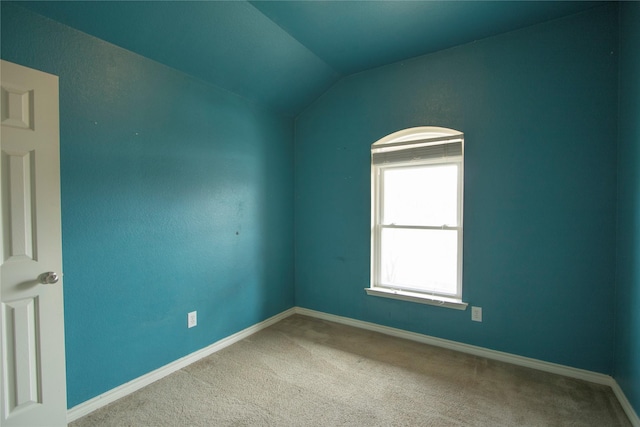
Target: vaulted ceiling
<point>285,54</point>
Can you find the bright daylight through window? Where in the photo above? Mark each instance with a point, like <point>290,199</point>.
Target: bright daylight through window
<point>416,190</point>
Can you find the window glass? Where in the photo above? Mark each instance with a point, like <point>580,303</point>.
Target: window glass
<point>423,260</point>
<point>422,195</point>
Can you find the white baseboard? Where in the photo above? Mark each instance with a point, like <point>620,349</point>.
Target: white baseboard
<point>513,359</point>
<point>114,394</point>
<point>463,348</point>
<point>626,405</point>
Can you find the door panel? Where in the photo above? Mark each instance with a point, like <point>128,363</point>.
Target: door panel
<point>18,175</point>
<point>33,388</point>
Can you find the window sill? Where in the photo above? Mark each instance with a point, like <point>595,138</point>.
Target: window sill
<point>417,297</point>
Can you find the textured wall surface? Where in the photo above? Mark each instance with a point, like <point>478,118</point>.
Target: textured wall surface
<point>539,111</point>
<point>176,196</point>
<point>627,354</point>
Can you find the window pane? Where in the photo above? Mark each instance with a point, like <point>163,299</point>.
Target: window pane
<point>421,195</point>
<point>422,260</point>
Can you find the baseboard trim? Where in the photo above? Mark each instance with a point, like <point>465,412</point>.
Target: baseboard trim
<point>527,362</point>
<point>463,348</point>
<point>626,405</point>
<point>112,395</point>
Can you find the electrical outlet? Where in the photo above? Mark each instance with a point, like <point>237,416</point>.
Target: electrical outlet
<point>476,314</point>
<point>192,319</point>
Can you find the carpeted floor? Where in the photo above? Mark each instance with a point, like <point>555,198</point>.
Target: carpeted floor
<point>308,372</point>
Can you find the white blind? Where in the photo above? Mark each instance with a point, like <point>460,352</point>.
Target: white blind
<point>416,150</point>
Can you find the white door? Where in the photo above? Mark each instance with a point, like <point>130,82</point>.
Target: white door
<point>33,391</point>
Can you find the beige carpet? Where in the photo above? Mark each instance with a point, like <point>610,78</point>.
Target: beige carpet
<point>308,372</point>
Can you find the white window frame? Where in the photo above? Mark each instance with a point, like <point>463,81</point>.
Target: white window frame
<point>436,138</point>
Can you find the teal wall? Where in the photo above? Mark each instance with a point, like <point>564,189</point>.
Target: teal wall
<point>627,353</point>
<point>538,108</point>
<point>179,196</point>
<point>176,196</point>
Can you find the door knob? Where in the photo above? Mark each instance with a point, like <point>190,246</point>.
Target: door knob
<point>49,278</point>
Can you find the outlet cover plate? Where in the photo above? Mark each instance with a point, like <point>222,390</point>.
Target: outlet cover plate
<point>192,319</point>
<point>476,314</point>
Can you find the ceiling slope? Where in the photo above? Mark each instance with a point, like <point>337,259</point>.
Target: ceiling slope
<point>229,44</point>
<point>285,54</point>
<point>353,36</point>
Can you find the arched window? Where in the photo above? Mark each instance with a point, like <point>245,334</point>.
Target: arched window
<point>416,216</point>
